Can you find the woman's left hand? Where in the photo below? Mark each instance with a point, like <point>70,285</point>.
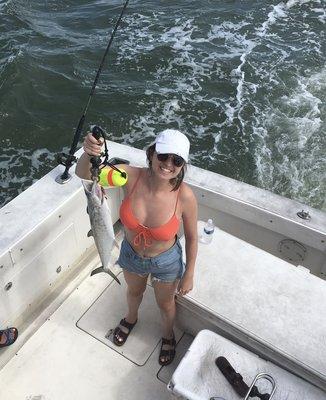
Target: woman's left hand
<point>186,284</point>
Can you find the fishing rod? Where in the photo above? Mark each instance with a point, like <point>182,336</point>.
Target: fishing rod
<point>67,160</point>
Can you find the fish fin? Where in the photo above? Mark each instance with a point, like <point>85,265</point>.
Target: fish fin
<point>113,276</point>
<point>90,233</point>
<point>97,270</point>
<point>108,271</point>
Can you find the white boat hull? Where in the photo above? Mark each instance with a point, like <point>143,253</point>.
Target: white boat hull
<point>45,255</point>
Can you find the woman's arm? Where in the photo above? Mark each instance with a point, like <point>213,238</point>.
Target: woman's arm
<point>92,147</point>
<point>83,167</point>
<point>189,216</point>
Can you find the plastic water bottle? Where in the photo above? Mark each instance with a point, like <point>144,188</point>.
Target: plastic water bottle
<point>208,231</point>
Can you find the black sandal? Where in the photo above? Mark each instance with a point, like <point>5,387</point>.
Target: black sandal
<point>10,334</point>
<point>167,354</point>
<point>120,336</point>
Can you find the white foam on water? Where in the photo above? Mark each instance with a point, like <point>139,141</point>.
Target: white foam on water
<point>18,53</point>
<point>40,156</point>
<point>244,88</point>
<point>240,74</point>
<point>278,11</point>
<point>188,58</point>
<point>299,146</point>
<point>180,36</point>
<point>301,127</point>
<point>189,66</point>
<point>12,177</point>
<point>180,80</point>
<point>246,46</point>
<point>138,35</point>
<point>322,17</point>
<point>234,41</point>
<point>291,3</point>
<point>165,113</point>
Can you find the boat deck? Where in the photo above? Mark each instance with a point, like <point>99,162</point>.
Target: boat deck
<point>239,291</point>
<point>62,361</point>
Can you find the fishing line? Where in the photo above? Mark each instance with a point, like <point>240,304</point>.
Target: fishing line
<point>68,160</point>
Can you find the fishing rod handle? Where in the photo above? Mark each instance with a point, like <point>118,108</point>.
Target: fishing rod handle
<point>96,161</point>
<point>97,132</point>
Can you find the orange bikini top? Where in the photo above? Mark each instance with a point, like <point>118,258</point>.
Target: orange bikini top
<point>164,232</point>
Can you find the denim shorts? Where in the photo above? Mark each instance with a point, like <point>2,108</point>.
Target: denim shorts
<point>165,267</point>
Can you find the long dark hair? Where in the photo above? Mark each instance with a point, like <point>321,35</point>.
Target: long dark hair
<point>175,182</point>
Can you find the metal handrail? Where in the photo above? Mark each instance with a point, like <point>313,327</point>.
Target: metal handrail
<point>262,376</point>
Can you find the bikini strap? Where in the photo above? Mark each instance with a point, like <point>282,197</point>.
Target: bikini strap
<point>135,184</point>
<point>176,204</point>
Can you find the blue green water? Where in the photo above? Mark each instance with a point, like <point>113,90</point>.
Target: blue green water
<point>245,80</point>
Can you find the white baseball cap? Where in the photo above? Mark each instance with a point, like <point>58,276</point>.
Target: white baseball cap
<point>173,142</point>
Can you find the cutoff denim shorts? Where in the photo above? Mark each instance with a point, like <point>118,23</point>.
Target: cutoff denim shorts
<point>165,267</point>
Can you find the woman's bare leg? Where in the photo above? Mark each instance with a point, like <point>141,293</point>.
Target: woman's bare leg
<point>165,298</point>
<point>136,288</point>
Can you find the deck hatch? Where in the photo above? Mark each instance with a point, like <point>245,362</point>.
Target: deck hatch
<point>106,312</point>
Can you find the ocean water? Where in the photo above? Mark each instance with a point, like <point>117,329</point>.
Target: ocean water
<point>245,80</point>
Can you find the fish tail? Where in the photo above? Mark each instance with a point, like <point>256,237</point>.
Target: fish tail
<point>107,271</point>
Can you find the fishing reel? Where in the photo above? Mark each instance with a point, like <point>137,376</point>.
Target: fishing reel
<point>97,161</point>
<point>106,177</point>
<point>69,159</point>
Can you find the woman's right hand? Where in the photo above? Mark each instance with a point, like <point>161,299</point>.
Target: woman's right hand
<point>92,146</point>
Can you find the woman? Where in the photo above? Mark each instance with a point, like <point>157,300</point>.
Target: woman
<point>156,201</point>
<point>8,336</point>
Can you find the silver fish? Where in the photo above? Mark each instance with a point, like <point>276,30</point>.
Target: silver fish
<point>101,224</point>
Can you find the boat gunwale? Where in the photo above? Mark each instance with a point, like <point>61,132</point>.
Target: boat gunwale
<point>240,193</point>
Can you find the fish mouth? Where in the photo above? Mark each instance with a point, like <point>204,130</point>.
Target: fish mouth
<point>87,185</point>
<point>93,189</point>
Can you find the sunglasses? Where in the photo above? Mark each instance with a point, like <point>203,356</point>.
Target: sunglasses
<point>177,160</point>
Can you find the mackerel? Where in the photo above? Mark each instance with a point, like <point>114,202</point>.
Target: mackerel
<point>101,225</point>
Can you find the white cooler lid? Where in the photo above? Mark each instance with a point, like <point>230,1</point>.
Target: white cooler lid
<point>198,378</point>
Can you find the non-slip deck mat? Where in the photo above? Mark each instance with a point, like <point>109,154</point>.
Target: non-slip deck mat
<point>110,307</point>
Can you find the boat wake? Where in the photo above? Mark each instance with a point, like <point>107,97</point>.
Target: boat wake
<point>245,82</point>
